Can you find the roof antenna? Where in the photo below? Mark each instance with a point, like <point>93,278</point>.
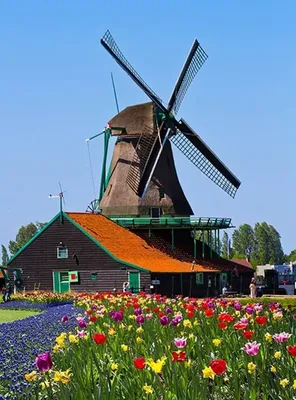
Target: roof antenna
<point>62,200</point>
<point>115,95</point>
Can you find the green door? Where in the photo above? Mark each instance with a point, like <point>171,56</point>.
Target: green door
<point>61,282</point>
<point>64,282</point>
<point>134,282</point>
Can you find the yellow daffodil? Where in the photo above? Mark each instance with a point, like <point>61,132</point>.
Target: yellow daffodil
<point>251,368</point>
<point>148,389</point>
<point>32,376</point>
<point>111,331</point>
<point>129,328</point>
<point>124,347</point>
<point>188,364</point>
<point>114,367</point>
<point>187,323</point>
<point>195,323</point>
<point>216,342</point>
<point>45,384</point>
<point>268,337</point>
<point>140,330</point>
<point>62,376</point>
<point>73,339</point>
<point>208,373</point>
<point>273,369</point>
<point>284,382</point>
<point>156,366</point>
<point>277,355</point>
<point>139,340</point>
<point>294,384</point>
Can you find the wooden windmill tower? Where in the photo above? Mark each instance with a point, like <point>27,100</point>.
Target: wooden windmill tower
<point>142,179</point>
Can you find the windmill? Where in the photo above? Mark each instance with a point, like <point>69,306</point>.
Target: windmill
<point>60,196</point>
<point>142,160</point>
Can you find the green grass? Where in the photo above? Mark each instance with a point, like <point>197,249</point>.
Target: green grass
<point>283,300</point>
<point>13,315</point>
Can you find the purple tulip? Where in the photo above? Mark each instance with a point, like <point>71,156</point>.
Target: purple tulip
<point>43,362</point>
<point>249,310</point>
<point>118,316</point>
<point>65,318</point>
<point>176,320</point>
<point>237,306</point>
<point>164,320</point>
<point>81,322</point>
<point>140,320</point>
<point>168,310</point>
<point>138,311</point>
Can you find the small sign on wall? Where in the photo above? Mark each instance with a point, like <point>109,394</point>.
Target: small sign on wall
<point>155,282</point>
<point>199,278</point>
<point>73,276</point>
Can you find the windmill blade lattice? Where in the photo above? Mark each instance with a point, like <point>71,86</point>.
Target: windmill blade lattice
<point>140,158</point>
<point>195,60</point>
<point>191,145</point>
<point>110,45</point>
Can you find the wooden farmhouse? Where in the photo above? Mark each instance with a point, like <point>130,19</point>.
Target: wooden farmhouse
<point>88,252</point>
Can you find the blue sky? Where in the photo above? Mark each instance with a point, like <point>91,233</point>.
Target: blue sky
<point>56,92</point>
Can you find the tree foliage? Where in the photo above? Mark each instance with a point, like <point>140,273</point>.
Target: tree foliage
<point>4,256</point>
<point>243,241</point>
<point>25,233</point>
<point>261,245</point>
<point>225,245</point>
<point>291,257</point>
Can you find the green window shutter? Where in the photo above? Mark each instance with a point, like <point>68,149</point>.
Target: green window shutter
<point>199,278</point>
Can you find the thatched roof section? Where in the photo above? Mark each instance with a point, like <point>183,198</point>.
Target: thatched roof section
<point>134,118</point>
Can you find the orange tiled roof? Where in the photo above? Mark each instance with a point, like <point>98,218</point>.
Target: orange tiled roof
<point>128,247</point>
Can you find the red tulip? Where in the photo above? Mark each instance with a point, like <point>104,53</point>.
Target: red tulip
<point>179,356</point>
<point>261,320</point>
<point>93,318</point>
<point>222,325</point>
<point>240,326</point>
<point>218,366</point>
<point>292,350</point>
<point>99,338</point>
<point>209,313</point>
<point>139,363</point>
<point>248,334</point>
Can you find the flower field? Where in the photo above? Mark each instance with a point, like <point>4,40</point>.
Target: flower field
<point>136,347</point>
<point>22,340</point>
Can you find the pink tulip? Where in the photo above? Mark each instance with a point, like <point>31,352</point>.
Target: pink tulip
<point>281,337</point>
<point>251,348</point>
<point>180,342</point>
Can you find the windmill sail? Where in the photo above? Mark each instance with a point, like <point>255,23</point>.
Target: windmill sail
<point>194,148</point>
<point>195,60</point>
<point>110,45</point>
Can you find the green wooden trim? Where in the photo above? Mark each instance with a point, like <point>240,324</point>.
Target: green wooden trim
<point>102,247</point>
<point>33,238</point>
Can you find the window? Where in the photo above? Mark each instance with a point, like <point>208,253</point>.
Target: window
<point>62,252</point>
<point>161,193</point>
<point>155,212</point>
<point>94,276</point>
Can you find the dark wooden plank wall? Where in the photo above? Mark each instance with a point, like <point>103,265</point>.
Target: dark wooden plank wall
<point>39,260</point>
